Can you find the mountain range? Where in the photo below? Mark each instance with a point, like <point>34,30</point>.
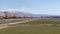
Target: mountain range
<point>26,13</point>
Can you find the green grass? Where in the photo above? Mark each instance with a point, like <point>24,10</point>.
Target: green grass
<point>34,29</point>
<point>3,20</point>
<point>30,30</point>
<point>45,21</point>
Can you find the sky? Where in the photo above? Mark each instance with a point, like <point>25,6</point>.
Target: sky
<point>50,7</point>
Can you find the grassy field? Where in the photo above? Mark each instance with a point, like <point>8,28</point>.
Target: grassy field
<point>8,19</point>
<point>45,21</point>
<point>30,30</point>
<point>4,20</point>
<point>34,29</point>
<point>39,21</point>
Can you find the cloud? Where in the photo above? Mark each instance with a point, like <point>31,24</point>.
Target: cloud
<point>34,11</point>
<point>29,10</point>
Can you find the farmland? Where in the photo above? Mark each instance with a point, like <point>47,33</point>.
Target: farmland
<point>34,27</point>
<point>36,21</point>
<point>30,30</point>
<point>45,21</point>
<point>2,21</point>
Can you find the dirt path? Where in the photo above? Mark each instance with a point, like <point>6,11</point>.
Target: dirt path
<point>5,25</point>
<point>36,25</point>
<point>33,25</point>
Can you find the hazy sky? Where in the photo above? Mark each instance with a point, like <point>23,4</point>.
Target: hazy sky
<point>51,7</point>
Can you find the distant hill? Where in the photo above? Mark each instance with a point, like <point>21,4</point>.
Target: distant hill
<point>17,14</point>
<point>26,14</point>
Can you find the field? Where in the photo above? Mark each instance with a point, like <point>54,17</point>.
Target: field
<point>13,20</point>
<point>39,21</point>
<point>30,30</point>
<point>45,21</point>
<point>33,27</point>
